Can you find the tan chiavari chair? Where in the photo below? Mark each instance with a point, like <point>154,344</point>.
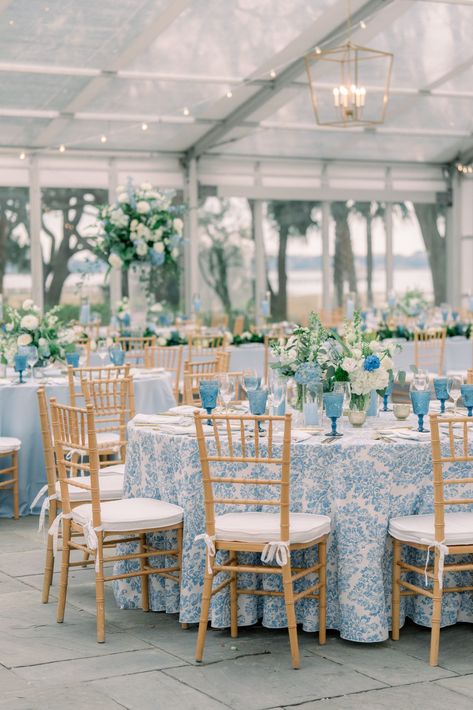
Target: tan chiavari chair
<point>134,348</point>
<point>237,440</point>
<point>469,377</point>
<point>429,350</point>
<point>191,390</point>
<point>168,357</point>
<point>268,341</point>
<point>202,346</point>
<point>239,325</point>
<point>192,372</point>
<point>223,361</point>
<point>219,320</point>
<point>75,375</point>
<point>126,520</point>
<point>9,472</point>
<point>446,533</point>
<point>111,489</point>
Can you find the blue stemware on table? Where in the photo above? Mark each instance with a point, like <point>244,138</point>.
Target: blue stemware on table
<point>251,383</point>
<point>386,395</point>
<point>20,363</point>
<point>442,391</point>
<point>467,397</point>
<point>208,395</point>
<point>257,399</point>
<point>73,359</point>
<point>117,356</point>
<point>420,405</point>
<point>333,403</point>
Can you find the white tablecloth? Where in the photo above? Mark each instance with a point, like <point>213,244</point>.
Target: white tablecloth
<point>19,417</point>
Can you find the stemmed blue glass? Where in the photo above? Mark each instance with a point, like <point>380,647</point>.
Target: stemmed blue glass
<point>442,391</point>
<point>250,380</point>
<point>420,405</point>
<point>19,363</point>
<point>386,395</point>
<point>117,356</point>
<point>333,403</point>
<point>467,397</point>
<point>73,359</point>
<point>257,399</point>
<point>208,395</point>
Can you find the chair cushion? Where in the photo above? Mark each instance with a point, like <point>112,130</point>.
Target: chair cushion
<point>419,528</point>
<point>131,514</point>
<point>113,469</point>
<point>265,527</point>
<point>107,439</point>
<point>9,443</point>
<point>111,488</point>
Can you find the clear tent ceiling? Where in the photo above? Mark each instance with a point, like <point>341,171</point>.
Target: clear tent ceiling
<point>91,75</point>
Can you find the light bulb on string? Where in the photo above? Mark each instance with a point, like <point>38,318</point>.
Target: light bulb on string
<point>186,111</point>
<point>103,138</point>
<point>144,126</point>
<point>363,25</point>
<point>272,74</point>
<point>22,155</point>
<point>62,148</point>
<point>229,94</point>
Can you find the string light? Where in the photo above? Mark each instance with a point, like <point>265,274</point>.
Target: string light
<point>363,25</point>
<point>103,138</point>
<point>22,155</point>
<point>186,111</point>
<point>272,74</point>
<point>144,126</point>
<point>62,148</point>
<point>229,94</point>
<point>11,22</point>
<point>318,50</point>
<point>465,169</point>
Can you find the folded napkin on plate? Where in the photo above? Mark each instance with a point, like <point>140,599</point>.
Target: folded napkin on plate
<point>145,372</point>
<point>186,410</point>
<point>162,419</point>
<point>409,434</point>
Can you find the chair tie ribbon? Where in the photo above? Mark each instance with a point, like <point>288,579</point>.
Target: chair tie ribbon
<point>276,551</point>
<point>210,545</point>
<point>91,540</point>
<point>54,529</point>
<point>443,550</point>
<point>44,507</point>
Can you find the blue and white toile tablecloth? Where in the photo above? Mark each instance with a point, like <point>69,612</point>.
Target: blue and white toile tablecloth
<point>359,481</point>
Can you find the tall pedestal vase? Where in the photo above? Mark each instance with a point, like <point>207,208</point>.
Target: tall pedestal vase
<point>138,286</point>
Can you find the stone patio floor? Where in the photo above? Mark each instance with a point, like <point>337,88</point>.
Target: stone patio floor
<point>147,660</point>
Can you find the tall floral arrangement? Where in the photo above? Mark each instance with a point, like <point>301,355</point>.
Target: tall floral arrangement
<point>300,350</point>
<point>140,227</point>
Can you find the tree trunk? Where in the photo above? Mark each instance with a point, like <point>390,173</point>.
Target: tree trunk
<point>3,249</point>
<point>369,260</point>
<point>435,246</point>
<point>279,310</point>
<point>344,262</point>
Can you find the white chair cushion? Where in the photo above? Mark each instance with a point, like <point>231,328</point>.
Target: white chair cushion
<point>266,527</point>
<point>107,438</point>
<point>9,443</point>
<point>111,488</point>
<point>130,514</point>
<point>113,469</point>
<point>420,528</point>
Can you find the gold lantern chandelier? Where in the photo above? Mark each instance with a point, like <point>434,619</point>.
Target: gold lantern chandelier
<point>349,84</point>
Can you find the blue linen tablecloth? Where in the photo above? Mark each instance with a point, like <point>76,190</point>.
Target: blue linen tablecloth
<point>359,481</point>
<point>19,416</point>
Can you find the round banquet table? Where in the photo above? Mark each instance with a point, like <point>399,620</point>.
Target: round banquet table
<point>360,481</point>
<point>19,416</point>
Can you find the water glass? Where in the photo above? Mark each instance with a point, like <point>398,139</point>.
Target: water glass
<point>257,400</point>
<point>251,380</point>
<point>208,395</point>
<point>455,391</point>
<point>227,389</point>
<point>277,395</point>
<point>20,363</point>
<point>345,389</point>
<point>333,403</point>
<point>31,352</point>
<point>73,359</point>
<point>467,397</point>
<point>442,391</point>
<point>117,356</point>
<point>420,405</point>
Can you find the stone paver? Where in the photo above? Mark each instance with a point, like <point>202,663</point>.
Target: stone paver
<point>148,662</point>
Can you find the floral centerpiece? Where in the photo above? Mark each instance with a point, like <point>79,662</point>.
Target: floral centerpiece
<point>27,326</point>
<point>141,227</point>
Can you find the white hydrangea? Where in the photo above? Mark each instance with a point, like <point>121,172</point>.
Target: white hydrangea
<point>143,231</point>
<point>143,207</point>
<point>349,364</point>
<point>141,248</point>
<point>134,225</point>
<point>123,198</point>
<point>28,304</point>
<point>158,247</point>
<point>178,225</point>
<point>119,218</point>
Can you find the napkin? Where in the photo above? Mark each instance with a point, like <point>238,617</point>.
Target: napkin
<point>162,419</point>
<point>186,410</point>
<point>408,434</point>
<point>151,372</point>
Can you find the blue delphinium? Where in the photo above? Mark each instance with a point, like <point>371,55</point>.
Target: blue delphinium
<point>372,362</point>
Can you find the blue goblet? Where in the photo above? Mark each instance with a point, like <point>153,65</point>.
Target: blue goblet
<point>73,359</point>
<point>420,405</point>
<point>208,395</point>
<point>257,399</point>
<point>19,363</point>
<point>252,383</point>
<point>333,403</point>
<point>442,391</point>
<point>117,356</point>
<point>467,397</point>
<point>386,395</point>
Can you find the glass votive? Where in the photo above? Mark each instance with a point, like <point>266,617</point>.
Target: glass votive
<point>401,410</point>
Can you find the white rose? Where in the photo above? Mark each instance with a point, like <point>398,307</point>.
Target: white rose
<point>24,339</point>
<point>134,225</point>
<point>178,225</point>
<point>42,342</point>
<point>387,363</point>
<point>121,188</point>
<point>28,304</point>
<point>115,261</point>
<point>143,231</point>
<point>158,247</point>
<point>349,364</point>
<point>161,341</point>
<point>9,327</point>
<point>146,186</point>
<point>158,233</point>
<point>156,308</point>
<point>175,253</point>
<point>143,207</point>
<point>376,347</point>
<point>356,352</point>
<point>29,322</point>
<point>123,198</point>
<point>141,248</point>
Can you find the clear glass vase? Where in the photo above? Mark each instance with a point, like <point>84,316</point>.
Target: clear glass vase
<point>138,288</point>
<point>312,405</point>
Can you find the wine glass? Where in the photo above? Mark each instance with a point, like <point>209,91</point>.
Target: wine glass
<point>455,391</point>
<point>343,388</point>
<point>227,389</point>
<point>277,394</point>
<point>251,380</point>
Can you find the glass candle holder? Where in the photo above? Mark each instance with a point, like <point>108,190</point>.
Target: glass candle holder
<point>442,391</point>
<point>19,363</point>
<point>333,403</point>
<point>117,356</point>
<point>420,405</point>
<point>73,359</point>
<point>208,395</point>
<point>467,397</point>
<point>257,400</point>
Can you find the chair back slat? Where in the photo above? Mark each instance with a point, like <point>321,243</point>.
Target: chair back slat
<point>135,347</point>
<point>469,377</point>
<point>192,379</point>
<point>429,349</point>
<point>47,440</point>
<point>168,357</point>
<point>237,458</point>
<point>200,346</point>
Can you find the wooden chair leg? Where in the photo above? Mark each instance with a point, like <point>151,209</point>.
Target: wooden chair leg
<point>436,616</point>
<point>66,556</point>
<point>291,614</point>
<point>144,562</point>
<point>100,591</point>
<point>179,562</point>
<point>16,494</point>
<point>234,596</point>
<point>323,592</point>
<point>49,562</point>
<point>396,591</point>
<point>205,606</point>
